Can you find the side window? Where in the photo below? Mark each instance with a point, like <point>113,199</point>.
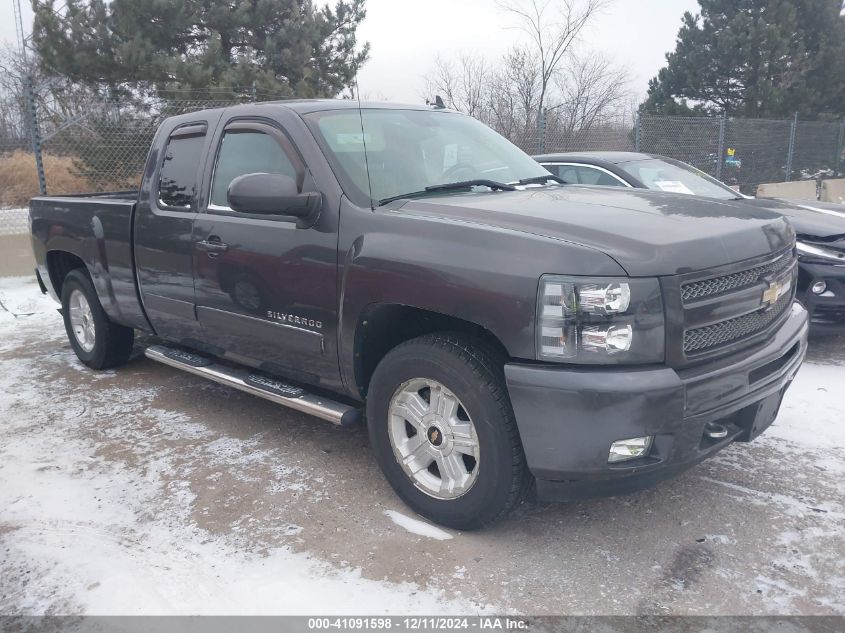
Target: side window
<point>553,169</point>
<point>569,174</point>
<point>247,152</point>
<point>177,179</point>
<point>609,181</point>
<point>590,176</point>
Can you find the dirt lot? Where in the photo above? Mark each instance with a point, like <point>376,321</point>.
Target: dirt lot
<point>146,490</point>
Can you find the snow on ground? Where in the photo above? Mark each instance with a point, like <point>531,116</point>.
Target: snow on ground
<point>125,496</point>
<point>415,526</point>
<point>20,297</point>
<point>813,415</point>
<point>97,528</point>
<point>13,221</point>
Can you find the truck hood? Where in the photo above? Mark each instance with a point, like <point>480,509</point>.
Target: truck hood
<point>821,221</point>
<point>648,233</point>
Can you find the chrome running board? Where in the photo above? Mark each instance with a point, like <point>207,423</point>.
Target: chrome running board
<point>257,384</point>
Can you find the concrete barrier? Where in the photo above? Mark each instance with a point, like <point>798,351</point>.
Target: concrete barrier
<point>799,190</point>
<point>833,190</point>
<point>16,258</point>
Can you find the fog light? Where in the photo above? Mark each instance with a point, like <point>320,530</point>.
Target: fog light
<point>625,450</point>
<point>818,287</point>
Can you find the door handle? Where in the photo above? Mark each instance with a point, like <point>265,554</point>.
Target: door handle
<point>213,246</point>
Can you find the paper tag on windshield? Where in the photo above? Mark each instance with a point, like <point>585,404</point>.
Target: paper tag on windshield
<point>355,138</point>
<point>673,186</point>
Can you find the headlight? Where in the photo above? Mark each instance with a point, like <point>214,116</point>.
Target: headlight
<point>811,252</point>
<point>599,320</point>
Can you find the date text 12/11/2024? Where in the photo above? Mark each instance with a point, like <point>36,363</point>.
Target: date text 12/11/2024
<point>419,623</point>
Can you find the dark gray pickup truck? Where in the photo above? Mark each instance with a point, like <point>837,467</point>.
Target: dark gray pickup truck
<point>499,332</point>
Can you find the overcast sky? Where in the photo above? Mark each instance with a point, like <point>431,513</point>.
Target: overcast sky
<point>406,35</point>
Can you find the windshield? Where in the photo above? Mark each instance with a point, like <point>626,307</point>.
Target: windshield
<point>409,150</point>
<point>675,176</point>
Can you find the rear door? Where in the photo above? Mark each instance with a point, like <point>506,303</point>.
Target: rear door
<point>164,219</point>
<point>266,287</point>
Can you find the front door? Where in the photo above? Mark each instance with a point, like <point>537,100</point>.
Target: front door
<point>266,285</point>
<point>163,234</point>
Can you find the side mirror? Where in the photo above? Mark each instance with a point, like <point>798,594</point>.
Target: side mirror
<point>271,194</point>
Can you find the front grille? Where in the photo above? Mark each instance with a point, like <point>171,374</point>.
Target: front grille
<point>704,338</point>
<point>734,281</point>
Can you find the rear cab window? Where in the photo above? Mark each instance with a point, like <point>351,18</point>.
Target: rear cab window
<point>177,183</point>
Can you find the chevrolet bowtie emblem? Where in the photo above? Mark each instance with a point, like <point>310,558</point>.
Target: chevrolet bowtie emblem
<point>775,291</point>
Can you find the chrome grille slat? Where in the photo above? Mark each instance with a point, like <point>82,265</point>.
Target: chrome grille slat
<point>695,290</point>
<point>703,338</point>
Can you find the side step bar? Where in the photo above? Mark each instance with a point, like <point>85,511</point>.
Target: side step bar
<point>257,384</point>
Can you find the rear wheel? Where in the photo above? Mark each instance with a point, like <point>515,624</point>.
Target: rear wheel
<point>443,431</point>
<point>98,342</point>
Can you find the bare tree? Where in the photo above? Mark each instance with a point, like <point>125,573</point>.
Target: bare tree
<point>552,37</point>
<point>13,123</point>
<point>513,93</point>
<point>547,74</point>
<point>57,99</point>
<point>441,81</point>
<point>463,86</point>
<point>472,83</point>
<point>589,90</point>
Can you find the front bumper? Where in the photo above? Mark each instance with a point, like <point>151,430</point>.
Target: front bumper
<point>568,417</point>
<point>827,310</point>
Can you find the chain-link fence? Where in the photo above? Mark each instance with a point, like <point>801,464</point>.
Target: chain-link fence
<point>100,147</point>
<point>555,134</point>
<point>17,165</point>
<point>740,152</point>
<point>103,146</point>
<point>747,152</point>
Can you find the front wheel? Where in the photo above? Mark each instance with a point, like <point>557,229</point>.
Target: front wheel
<point>98,342</point>
<point>443,431</point>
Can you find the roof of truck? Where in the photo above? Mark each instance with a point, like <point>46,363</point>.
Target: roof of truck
<point>304,106</point>
<point>301,107</point>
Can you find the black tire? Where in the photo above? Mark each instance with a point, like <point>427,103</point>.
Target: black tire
<point>472,372</point>
<point>112,342</point>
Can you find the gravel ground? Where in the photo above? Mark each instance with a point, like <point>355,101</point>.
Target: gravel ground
<point>147,490</point>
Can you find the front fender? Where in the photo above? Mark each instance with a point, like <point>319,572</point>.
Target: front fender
<point>480,274</point>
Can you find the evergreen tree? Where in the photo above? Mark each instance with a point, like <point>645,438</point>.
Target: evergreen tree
<point>755,58</point>
<point>278,47</point>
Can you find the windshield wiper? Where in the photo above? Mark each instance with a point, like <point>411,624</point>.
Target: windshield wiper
<point>539,180</point>
<point>451,186</point>
<point>466,184</point>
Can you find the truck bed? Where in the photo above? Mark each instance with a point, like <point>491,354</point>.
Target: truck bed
<point>95,228</point>
<point>130,195</point>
